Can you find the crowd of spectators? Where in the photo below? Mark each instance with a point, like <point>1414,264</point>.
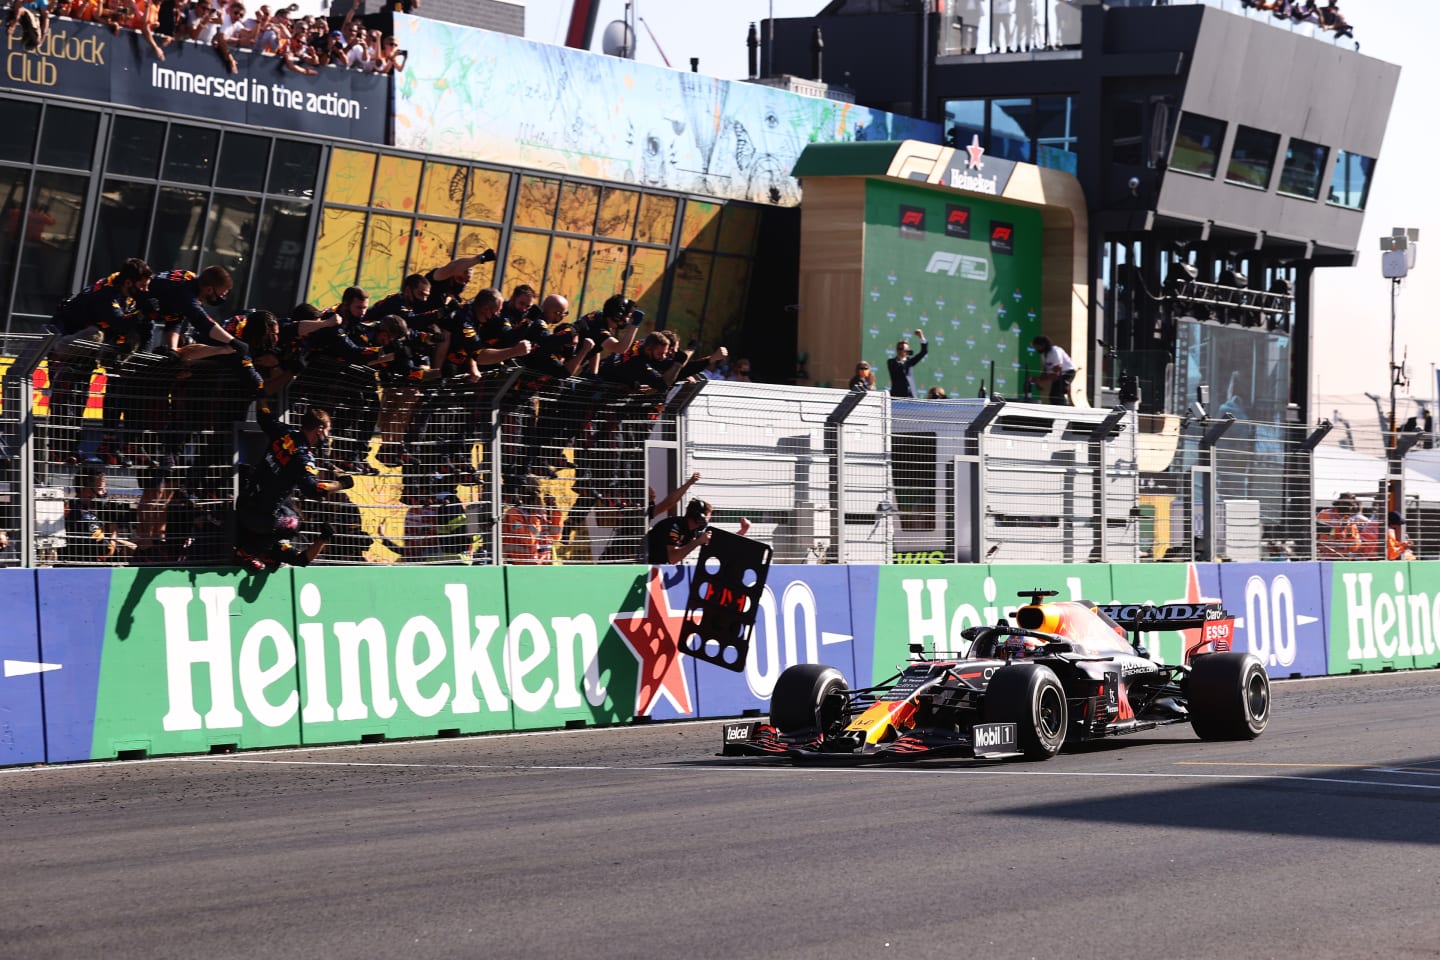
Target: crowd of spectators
<point>302,44</point>
<point>1327,17</point>
<point>409,382</point>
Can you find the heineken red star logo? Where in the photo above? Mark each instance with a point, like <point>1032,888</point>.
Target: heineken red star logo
<point>976,152</point>
<point>652,635</point>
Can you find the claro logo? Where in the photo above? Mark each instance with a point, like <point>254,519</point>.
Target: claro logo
<point>966,267</point>
<point>40,67</point>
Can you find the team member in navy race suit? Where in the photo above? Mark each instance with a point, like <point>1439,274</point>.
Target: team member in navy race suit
<point>902,365</point>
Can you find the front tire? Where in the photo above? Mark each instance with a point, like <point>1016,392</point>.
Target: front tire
<point>1229,696</point>
<point>802,698</point>
<point>1030,696</point>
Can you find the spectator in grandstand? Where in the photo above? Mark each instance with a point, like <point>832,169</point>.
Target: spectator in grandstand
<point>902,366</point>
<point>1331,19</point>
<point>531,524</point>
<point>1397,547</point>
<point>864,378</point>
<point>265,511</point>
<point>91,535</point>
<point>392,59</point>
<point>31,19</point>
<point>740,372</point>
<point>936,393</point>
<point>1057,369</point>
<point>717,365</point>
<point>613,330</point>
<point>1337,534</point>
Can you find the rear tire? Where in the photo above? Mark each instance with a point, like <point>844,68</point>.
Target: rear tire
<point>1030,696</point>
<point>802,699</point>
<point>1229,696</point>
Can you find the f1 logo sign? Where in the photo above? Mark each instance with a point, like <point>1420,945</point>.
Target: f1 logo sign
<point>957,221</point>
<point>912,222</point>
<point>969,268</point>
<point>1002,237</point>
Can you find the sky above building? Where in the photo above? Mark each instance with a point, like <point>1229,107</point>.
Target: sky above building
<point>1352,305</point>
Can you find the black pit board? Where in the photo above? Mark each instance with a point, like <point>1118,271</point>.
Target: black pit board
<point>724,599</point>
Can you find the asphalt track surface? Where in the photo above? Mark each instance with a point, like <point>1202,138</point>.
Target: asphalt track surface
<point>1317,840</point>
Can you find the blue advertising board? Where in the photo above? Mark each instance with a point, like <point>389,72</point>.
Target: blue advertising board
<point>87,62</point>
<point>1279,612</point>
<point>22,727</point>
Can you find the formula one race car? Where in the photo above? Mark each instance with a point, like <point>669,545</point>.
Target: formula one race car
<point>1064,672</point>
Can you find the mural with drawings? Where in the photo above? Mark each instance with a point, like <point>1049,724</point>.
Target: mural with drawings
<point>498,98</point>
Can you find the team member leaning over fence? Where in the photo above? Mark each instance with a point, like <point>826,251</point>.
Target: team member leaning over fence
<point>266,517</point>
<point>107,311</point>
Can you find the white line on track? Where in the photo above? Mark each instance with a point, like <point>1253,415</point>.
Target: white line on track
<point>792,771</point>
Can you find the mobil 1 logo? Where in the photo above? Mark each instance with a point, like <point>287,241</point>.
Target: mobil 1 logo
<point>994,739</point>
<point>912,222</point>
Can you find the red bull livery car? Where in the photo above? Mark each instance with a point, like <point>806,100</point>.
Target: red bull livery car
<point>1063,672</point>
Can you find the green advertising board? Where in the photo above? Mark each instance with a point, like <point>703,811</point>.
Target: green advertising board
<point>964,269</point>
<point>1379,618</point>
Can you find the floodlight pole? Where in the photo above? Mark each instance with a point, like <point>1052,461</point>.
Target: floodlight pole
<point>1394,373</point>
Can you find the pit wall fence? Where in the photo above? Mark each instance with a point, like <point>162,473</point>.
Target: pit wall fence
<point>125,663</point>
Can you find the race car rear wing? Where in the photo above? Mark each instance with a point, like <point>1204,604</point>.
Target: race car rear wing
<point>1149,617</point>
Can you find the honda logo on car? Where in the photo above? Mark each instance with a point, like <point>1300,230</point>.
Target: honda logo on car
<point>969,268</point>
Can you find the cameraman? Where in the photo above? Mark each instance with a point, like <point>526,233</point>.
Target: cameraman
<point>612,330</point>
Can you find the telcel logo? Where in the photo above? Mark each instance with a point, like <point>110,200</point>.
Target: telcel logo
<point>968,267</point>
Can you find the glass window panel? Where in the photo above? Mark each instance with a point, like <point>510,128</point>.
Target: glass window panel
<point>578,203</point>
<point>349,179</point>
<point>1056,143</point>
<point>444,190</point>
<point>474,239</point>
<point>20,120</point>
<point>964,119</point>
<point>387,244</point>
<point>337,254</point>
<point>68,138</point>
<point>47,248</point>
<point>242,162</point>
<point>13,185</point>
<point>294,167</point>
<point>1128,144</point>
<point>230,238</point>
<point>566,274</point>
<point>606,277</point>
<point>526,260</point>
<point>284,231</point>
<point>432,246</point>
<point>1304,166</point>
<point>1350,186</point>
<point>737,229</point>
<point>397,183</point>
<point>489,190</point>
<point>1197,145</point>
<point>617,213</point>
<point>190,154</point>
<point>135,147</point>
<point>725,309</point>
<point>1252,157</point>
<point>690,281</point>
<point>121,225</point>
<point>647,278</point>
<point>701,227</point>
<point>535,206</point>
<point>178,230</point>
<point>656,220</point>
<point>1011,122</point>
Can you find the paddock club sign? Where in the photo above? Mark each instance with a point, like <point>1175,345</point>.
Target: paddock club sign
<point>86,62</point>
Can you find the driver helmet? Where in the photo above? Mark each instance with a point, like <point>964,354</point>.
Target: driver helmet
<point>1020,647</point>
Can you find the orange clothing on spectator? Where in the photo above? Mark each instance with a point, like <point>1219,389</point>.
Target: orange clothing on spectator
<point>145,12</point>
<point>1337,534</point>
<point>85,9</point>
<point>530,533</point>
<point>1371,536</point>
<point>1397,547</point>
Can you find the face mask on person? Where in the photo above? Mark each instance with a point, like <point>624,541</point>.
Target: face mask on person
<point>216,299</point>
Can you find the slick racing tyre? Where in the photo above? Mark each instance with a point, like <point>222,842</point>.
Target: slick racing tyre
<point>1229,696</point>
<point>802,698</point>
<point>1030,696</point>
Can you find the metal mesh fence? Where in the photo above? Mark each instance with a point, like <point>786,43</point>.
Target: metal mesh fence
<point>512,468</point>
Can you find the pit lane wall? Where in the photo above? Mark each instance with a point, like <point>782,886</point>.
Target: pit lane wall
<point>103,663</point>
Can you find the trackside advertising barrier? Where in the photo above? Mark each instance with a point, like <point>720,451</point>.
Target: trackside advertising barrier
<point>104,663</point>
